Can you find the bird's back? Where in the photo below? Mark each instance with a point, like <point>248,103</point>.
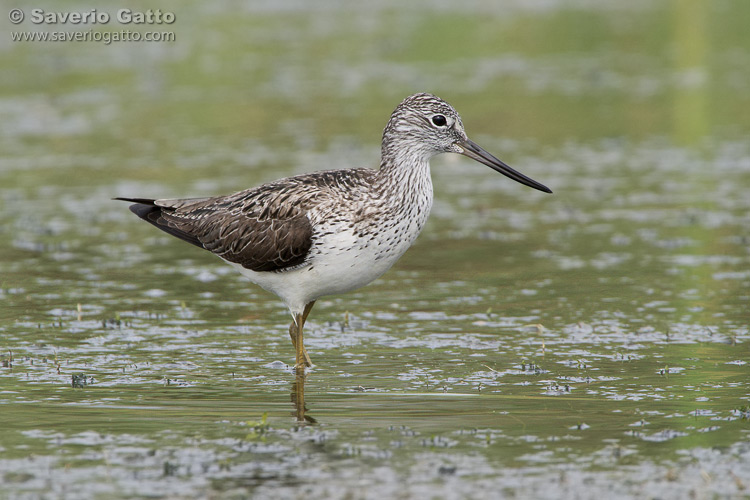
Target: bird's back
<point>267,228</point>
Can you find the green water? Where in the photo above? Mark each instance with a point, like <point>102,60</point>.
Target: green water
<point>586,343</point>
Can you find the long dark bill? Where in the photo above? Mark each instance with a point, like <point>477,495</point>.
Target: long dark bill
<point>475,152</point>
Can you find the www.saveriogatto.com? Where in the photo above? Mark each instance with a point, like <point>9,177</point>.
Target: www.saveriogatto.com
<point>103,27</point>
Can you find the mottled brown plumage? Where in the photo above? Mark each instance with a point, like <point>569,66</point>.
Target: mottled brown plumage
<point>262,229</point>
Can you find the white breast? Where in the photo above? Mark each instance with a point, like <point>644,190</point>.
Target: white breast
<point>353,247</point>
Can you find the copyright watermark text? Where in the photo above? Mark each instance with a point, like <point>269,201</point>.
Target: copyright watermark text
<point>93,16</point>
<point>63,21</point>
<point>105,37</point>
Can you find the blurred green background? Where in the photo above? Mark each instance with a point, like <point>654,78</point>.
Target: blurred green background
<point>592,342</point>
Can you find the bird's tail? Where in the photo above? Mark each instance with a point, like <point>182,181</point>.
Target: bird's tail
<point>148,210</point>
<point>142,207</point>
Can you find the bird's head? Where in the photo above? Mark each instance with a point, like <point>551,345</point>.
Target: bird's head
<point>424,125</point>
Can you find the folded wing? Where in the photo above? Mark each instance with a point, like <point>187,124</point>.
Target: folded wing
<point>254,235</point>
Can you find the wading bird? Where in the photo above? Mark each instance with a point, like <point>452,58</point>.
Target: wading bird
<point>332,231</point>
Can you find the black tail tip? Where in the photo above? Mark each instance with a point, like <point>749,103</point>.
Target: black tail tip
<point>142,201</point>
<point>142,207</point>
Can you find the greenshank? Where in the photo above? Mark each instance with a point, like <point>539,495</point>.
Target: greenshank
<point>333,231</point>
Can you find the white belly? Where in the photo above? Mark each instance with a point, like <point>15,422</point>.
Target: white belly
<point>342,260</point>
<point>341,265</point>
<point>354,245</point>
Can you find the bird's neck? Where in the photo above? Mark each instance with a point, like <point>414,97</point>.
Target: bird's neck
<point>403,156</point>
<point>404,179</point>
<point>403,166</point>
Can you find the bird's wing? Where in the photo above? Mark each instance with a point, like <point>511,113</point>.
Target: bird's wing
<point>258,244</point>
<point>268,228</point>
<point>273,237</point>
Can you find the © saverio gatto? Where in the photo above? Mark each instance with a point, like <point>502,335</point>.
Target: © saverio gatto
<point>94,16</point>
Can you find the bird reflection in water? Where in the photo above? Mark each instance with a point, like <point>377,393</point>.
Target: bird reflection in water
<point>298,399</point>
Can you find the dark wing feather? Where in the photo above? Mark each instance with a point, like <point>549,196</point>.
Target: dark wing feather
<point>148,211</point>
<point>256,244</point>
<point>268,244</point>
<point>262,229</point>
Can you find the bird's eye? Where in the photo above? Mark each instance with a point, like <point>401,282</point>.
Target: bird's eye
<point>439,121</point>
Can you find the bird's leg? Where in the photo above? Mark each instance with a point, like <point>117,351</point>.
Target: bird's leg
<point>293,335</point>
<point>302,356</point>
<point>299,346</point>
<point>307,310</point>
<point>295,332</point>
